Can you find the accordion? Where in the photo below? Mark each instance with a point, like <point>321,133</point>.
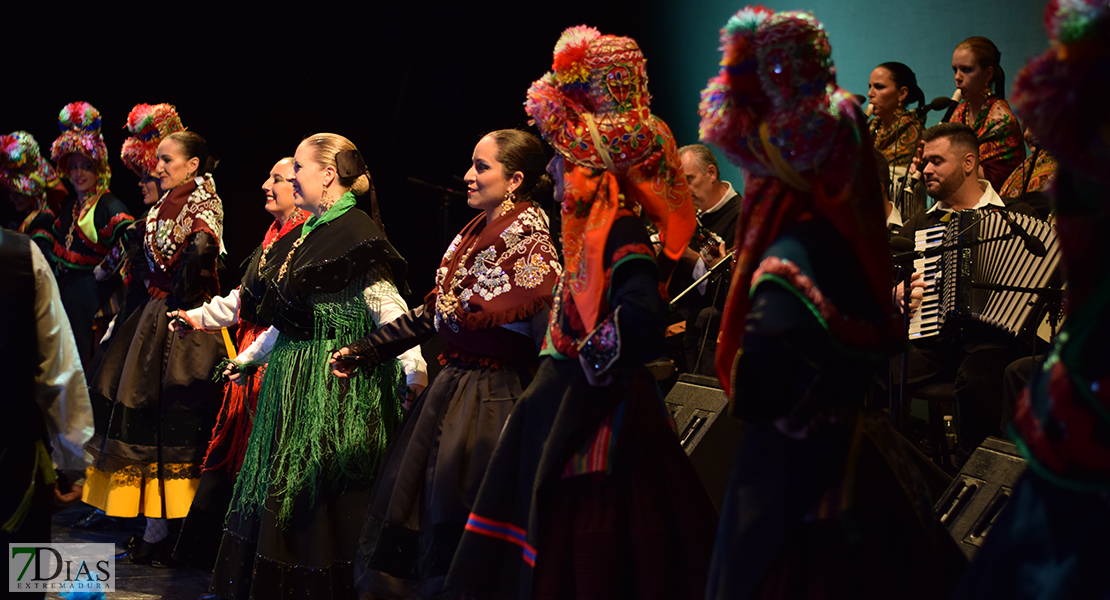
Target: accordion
<point>990,277</point>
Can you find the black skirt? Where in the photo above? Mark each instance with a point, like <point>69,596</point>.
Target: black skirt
<point>643,528</point>
<point>154,404</point>
<point>432,474</point>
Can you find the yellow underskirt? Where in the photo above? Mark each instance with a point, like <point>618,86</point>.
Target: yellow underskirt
<point>126,495</point>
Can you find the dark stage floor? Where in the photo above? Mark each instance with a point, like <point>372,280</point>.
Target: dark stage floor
<point>135,582</point>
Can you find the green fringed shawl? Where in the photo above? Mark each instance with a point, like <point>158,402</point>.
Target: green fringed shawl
<point>312,429</point>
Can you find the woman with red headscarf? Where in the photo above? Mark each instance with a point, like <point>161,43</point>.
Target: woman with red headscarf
<point>588,492</point>
<point>822,500</point>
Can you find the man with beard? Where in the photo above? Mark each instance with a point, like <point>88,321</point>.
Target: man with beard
<point>976,363</point>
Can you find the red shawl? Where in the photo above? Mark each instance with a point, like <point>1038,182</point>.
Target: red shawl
<point>496,273</point>
<point>182,212</point>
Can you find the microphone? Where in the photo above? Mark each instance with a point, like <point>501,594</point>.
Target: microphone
<point>1032,245</point>
<point>899,244</point>
<point>904,250</point>
<point>957,97</point>
<point>939,103</point>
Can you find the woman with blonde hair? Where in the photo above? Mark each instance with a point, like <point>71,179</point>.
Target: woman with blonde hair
<point>317,441</point>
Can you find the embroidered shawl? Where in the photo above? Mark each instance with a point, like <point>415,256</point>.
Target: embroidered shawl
<point>1035,175</point>
<point>181,212</point>
<point>1001,148</point>
<point>899,142</point>
<point>496,273</point>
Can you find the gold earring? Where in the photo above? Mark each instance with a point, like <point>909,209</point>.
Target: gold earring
<point>325,200</point>
<point>508,203</point>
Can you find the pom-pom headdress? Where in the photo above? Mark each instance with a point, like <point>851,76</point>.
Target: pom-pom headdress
<point>1060,422</point>
<point>593,108</point>
<point>22,167</point>
<point>79,123</point>
<point>148,124</point>
<point>1061,94</point>
<point>777,82</point>
<point>775,110</point>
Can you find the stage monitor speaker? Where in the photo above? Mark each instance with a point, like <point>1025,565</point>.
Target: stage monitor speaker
<point>979,492</point>
<point>707,433</point>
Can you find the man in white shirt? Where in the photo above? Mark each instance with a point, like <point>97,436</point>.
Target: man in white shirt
<point>718,207</point>
<point>976,363</point>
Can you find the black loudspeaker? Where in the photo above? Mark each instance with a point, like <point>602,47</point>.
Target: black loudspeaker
<point>979,492</point>
<point>708,435</point>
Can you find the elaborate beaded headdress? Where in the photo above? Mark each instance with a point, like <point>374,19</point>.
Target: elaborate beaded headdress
<point>79,123</point>
<point>1061,94</point>
<point>22,167</point>
<point>592,107</point>
<point>148,125</point>
<point>775,99</point>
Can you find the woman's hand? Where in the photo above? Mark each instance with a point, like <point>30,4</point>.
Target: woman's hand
<point>342,369</point>
<point>409,395</point>
<point>917,294</point>
<point>231,373</point>
<point>176,326</point>
<point>67,496</point>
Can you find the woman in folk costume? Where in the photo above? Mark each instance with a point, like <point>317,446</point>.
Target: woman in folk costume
<point>821,501</point>
<point>894,130</point>
<point>153,394</point>
<point>589,493</point>
<point>149,125</point>
<point>1050,539</point>
<point>980,80</point>
<point>88,225</point>
<point>31,184</point>
<point>490,303</point>
<point>316,441</point>
<point>1035,174</point>
<point>200,532</point>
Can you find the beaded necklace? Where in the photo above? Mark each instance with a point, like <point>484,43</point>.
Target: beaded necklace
<point>298,216</point>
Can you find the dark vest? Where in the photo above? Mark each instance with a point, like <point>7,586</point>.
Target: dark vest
<point>23,423</point>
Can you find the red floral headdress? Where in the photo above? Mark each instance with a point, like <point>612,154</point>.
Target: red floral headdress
<point>593,108</point>
<point>148,124</point>
<point>22,167</point>
<point>1062,421</point>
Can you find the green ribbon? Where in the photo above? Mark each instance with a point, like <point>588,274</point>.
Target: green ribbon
<point>345,203</point>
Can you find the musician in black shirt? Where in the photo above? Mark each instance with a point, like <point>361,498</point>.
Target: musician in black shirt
<point>977,361</point>
<point>718,207</point>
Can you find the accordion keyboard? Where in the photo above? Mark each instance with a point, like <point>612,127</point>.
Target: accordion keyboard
<point>927,321</point>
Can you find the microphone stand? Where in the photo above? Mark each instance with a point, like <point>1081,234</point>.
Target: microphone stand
<point>444,207</point>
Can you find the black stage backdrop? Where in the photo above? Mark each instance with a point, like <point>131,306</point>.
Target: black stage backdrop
<point>412,84</point>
